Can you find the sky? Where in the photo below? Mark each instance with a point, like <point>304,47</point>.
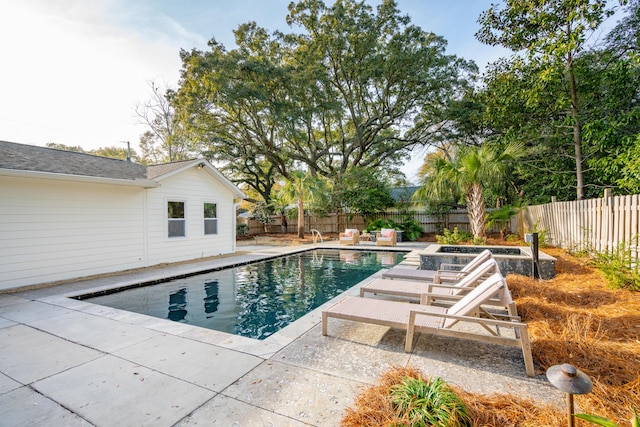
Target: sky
<point>73,71</point>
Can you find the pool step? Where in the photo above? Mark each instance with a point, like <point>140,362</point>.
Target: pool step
<point>412,259</point>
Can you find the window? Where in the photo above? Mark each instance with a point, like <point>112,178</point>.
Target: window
<point>210,218</point>
<point>176,221</point>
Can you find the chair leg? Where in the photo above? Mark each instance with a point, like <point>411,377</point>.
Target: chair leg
<point>408,343</point>
<point>325,321</point>
<point>526,352</point>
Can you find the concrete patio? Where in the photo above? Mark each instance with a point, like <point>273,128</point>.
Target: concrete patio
<point>65,362</point>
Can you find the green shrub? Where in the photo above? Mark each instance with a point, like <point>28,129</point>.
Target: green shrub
<point>454,238</point>
<point>542,235</point>
<point>429,403</point>
<point>242,229</point>
<point>601,421</point>
<point>479,241</point>
<point>411,229</point>
<point>382,223</point>
<point>620,269</point>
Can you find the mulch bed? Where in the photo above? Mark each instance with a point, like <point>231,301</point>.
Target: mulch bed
<point>573,318</point>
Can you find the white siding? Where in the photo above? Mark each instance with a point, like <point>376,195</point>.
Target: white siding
<point>55,230</point>
<point>194,187</point>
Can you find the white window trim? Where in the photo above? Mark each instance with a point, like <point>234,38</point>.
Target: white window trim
<point>204,220</point>
<point>166,218</point>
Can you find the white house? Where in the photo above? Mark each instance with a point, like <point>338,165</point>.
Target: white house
<point>66,215</point>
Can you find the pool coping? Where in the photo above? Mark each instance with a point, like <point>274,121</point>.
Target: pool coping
<point>260,348</point>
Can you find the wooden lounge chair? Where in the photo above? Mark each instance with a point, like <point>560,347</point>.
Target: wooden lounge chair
<point>386,237</point>
<point>447,273</point>
<point>438,292</point>
<point>351,236</point>
<point>438,320</point>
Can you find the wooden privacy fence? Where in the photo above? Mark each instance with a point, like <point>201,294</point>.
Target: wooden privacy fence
<point>599,224</point>
<point>335,223</point>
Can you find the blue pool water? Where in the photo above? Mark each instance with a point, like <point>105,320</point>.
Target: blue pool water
<point>254,300</point>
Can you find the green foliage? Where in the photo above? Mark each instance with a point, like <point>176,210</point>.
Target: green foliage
<point>429,403</point>
<point>454,238</point>
<point>262,213</point>
<point>605,422</point>
<point>471,170</point>
<point>501,215</point>
<point>363,191</point>
<point>512,237</point>
<point>479,241</point>
<point>575,104</point>
<point>382,223</point>
<point>242,229</point>
<point>344,90</point>
<point>411,229</point>
<point>542,235</point>
<point>619,267</point>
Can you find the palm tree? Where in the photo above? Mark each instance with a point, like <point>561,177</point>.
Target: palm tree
<point>472,169</point>
<point>301,187</point>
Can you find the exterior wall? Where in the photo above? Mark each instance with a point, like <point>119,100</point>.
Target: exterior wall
<point>54,230</point>
<point>195,187</point>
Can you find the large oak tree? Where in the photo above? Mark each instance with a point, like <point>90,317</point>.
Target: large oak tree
<point>348,90</point>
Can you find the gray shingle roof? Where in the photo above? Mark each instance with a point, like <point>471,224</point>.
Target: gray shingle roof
<point>154,171</point>
<point>42,159</point>
<point>403,194</point>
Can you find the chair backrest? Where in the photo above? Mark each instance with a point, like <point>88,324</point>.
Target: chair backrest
<point>387,232</point>
<point>479,259</point>
<point>478,295</point>
<point>468,281</point>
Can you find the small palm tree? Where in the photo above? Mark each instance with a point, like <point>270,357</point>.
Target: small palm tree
<point>301,187</point>
<point>470,171</point>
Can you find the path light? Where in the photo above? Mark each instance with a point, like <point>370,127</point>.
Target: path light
<point>571,380</point>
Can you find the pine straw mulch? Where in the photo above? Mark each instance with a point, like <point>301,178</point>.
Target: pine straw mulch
<point>573,318</point>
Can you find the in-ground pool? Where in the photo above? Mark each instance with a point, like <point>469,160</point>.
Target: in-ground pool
<point>254,300</point>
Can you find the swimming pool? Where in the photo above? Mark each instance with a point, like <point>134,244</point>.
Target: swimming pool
<point>254,300</point>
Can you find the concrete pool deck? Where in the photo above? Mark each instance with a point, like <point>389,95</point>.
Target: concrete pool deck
<point>65,362</point>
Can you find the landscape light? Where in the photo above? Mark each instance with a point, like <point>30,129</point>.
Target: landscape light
<point>571,380</point>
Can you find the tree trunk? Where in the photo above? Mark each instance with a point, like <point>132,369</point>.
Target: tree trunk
<point>301,218</point>
<point>577,130</point>
<point>475,206</point>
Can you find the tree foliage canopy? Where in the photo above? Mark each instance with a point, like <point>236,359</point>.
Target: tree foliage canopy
<point>350,90</point>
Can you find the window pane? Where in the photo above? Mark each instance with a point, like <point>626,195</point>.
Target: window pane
<point>177,228</point>
<point>210,226</point>
<point>210,210</point>
<point>175,209</point>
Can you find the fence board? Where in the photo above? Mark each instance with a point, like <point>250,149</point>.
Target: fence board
<point>602,224</point>
<point>335,223</point>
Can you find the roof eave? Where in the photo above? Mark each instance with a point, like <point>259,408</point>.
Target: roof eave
<point>143,183</point>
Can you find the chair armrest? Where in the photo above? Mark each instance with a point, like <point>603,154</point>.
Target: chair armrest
<point>515,323</point>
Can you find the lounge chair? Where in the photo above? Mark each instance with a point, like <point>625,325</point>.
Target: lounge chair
<point>447,273</point>
<point>351,236</point>
<point>437,320</point>
<point>386,237</point>
<point>443,294</point>
<point>414,289</point>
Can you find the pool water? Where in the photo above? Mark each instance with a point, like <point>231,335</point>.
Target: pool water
<point>254,300</point>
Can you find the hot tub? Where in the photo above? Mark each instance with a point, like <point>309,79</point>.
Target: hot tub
<point>511,259</point>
